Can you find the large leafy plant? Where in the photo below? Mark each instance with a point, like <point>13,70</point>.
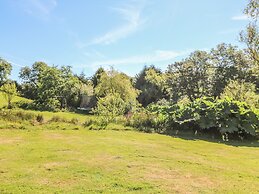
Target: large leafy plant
<point>220,116</point>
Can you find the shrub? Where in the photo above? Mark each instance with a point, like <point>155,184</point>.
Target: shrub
<point>99,122</point>
<point>143,120</point>
<point>74,121</point>
<point>40,118</point>
<point>224,117</point>
<point>16,115</point>
<point>9,92</point>
<point>110,106</point>
<point>58,119</point>
<point>242,91</point>
<point>88,122</point>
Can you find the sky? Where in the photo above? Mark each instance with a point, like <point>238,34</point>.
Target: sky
<point>125,34</point>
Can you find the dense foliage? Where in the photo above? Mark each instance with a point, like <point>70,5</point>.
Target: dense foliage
<point>150,82</point>
<point>205,115</point>
<point>9,92</point>
<point>214,92</point>
<point>242,91</point>
<point>50,87</point>
<point>113,84</point>
<point>5,70</point>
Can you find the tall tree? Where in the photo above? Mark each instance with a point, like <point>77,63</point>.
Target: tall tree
<point>150,82</point>
<point>5,70</point>
<point>250,36</point>
<point>30,78</point>
<point>97,76</point>
<point>230,63</point>
<point>51,87</point>
<point>118,84</point>
<point>9,91</point>
<point>190,77</point>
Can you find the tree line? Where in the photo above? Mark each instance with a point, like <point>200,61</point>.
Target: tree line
<point>224,72</point>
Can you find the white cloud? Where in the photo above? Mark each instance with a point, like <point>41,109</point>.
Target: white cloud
<point>157,56</point>
<point>133,21</point>
<point>15,64</point>
<point>240,17</point>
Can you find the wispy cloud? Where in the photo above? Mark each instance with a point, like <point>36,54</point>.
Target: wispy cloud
<point>240,17</point>
<point>132,15</point>
<point>157,56</point>
<point>11,59</point>
<point>41,8</point>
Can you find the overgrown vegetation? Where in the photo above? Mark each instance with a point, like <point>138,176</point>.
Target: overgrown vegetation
<point>209,92</point>
<point>224,117</point>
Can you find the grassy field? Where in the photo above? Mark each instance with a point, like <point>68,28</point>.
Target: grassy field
<point>56,157</point>
<point>84,161</point>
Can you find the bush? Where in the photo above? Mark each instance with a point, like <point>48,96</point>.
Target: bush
<point>74,121</point>
<point>242,91</point>
<point>143,120</point>
<point>40,118</point>
<point>88,122</point>
<point>58,119</point>
<point>99,122</point>
<point>110,107</point>
<point>16,115</point>
<point>224,117</point>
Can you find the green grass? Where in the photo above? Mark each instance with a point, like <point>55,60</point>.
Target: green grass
<point>3,101</point>
<point>83,161</point>
<point>47,115</point>
<point>66,158</point>
<point>66,115</point>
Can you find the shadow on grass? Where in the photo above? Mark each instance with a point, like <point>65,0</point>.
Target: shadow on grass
<point>204,137</point>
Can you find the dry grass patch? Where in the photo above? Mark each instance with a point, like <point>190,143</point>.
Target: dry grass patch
<point>10,140</point>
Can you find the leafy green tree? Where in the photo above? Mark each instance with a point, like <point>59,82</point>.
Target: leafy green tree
<point>51,87</point>
<point>113,82</point>
<point>30,78</point>
<point>5,70</point>
<point>69,87</point>
<point>97,76</point>
<point>82,77</point>
<point>252,9</point>
<point>9,91</point>
<point>250,36</point>
<point>229,63</point>
<point>110,106</point>
<point>243,92</point>
<point>190,77</point>
<point>150,81</point>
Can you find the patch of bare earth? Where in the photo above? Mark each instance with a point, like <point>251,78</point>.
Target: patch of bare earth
<point>54,165</point>
<point>54,136</point>
<point>176,182</point>
<point>10,140</point>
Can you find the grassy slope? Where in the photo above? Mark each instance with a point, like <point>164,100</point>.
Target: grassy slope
<point>47,115</point>
<point>83,161</point>
<point>3,101</point>
<point>66,115</point>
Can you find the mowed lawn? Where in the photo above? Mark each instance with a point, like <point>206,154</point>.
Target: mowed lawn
<point>84,161</point>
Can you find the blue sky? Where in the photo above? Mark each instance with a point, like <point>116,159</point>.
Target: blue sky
<point>125,34</point>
